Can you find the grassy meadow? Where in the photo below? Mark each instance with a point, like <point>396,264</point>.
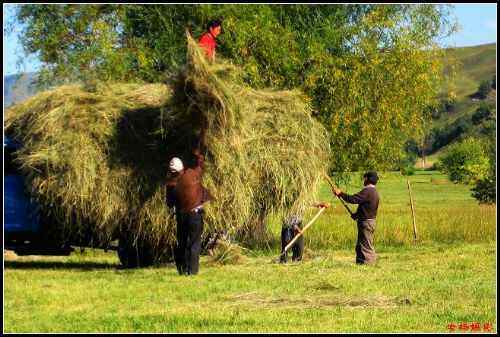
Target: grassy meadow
<point>444,212</point>
<point>447,277</point>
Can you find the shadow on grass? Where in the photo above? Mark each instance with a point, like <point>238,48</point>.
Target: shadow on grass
<point>59,265</point>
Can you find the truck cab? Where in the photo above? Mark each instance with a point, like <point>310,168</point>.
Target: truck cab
<point>23,219</point>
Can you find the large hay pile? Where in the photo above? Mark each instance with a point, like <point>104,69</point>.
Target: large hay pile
<point>98,158</point>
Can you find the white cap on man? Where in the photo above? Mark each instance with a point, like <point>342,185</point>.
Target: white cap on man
<point>176,165</point>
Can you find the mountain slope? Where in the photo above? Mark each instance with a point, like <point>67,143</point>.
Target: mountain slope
<point>465,116</point>
<point>18,87</point>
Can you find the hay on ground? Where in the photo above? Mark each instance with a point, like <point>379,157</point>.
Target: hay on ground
<point>226,252</point>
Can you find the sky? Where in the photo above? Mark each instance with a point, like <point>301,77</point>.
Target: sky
<point>477,23</point>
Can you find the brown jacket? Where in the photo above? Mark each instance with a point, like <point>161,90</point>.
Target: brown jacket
<point>185,191</point>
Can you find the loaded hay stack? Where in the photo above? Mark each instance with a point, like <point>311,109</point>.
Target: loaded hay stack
<point>97,159</point>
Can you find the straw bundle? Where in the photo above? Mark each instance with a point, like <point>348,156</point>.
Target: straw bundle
<point>98,159</point>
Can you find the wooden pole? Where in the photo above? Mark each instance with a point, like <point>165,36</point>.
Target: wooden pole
<point>412,211</point>
<point>342,201</point>
<point>303,230</point>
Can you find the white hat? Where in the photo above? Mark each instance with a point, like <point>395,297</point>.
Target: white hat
<point>176,165</point>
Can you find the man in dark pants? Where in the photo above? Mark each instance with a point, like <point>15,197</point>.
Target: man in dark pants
<point>186,195</point>
<point>368,200</point>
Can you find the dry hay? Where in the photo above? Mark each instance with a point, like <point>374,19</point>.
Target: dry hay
<point>318,302</point>
<point>226,252</point>
<point>97,159</point>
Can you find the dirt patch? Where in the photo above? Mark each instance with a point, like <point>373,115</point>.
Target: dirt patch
<point>439,181</point>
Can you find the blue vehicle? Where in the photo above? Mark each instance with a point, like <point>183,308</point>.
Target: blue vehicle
<point>30,230</point>
<point>23,222</point>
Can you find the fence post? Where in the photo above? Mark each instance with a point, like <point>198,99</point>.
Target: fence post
<point>412,211</point>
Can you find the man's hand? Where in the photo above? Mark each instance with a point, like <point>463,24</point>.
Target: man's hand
<point>336,191</point>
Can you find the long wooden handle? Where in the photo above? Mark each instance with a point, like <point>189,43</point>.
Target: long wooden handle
<point>303,230</point>
<point>341,200</point>
<point>412,211</point>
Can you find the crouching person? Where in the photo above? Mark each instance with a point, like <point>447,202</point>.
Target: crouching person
<point>291,227</point>
<point>186,195</point>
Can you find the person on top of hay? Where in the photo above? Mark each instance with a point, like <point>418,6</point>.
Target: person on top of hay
<point>367,200</point>
<point>186,195</point>
<point>207,40</point>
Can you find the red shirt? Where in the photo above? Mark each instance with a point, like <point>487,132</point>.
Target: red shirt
<point>207,42</point>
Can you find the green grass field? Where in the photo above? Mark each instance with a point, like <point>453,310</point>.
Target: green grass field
<point>449,276</point>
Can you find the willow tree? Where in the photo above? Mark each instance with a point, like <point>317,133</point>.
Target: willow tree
<point>371,71</point>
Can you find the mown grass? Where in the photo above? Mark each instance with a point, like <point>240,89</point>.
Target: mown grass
<point>420,289</point>
<point>449,276</point>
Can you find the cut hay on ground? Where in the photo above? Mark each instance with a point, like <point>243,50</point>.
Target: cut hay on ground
<point>226,252</point>
<point>98,159</point>
<point>315,301</point>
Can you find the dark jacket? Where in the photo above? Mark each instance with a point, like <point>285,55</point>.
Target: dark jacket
<point>367,199</point>
<point>185,191</point>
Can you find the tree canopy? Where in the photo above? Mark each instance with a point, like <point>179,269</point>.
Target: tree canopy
<point>371,71</point>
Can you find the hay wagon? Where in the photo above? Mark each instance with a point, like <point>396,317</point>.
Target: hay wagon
<point>29,228</point>
<point>96,158</point>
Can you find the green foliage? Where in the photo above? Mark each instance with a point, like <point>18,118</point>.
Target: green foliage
<point>408,170</point>
<point>465,162</point>
<point>408,158</point>
<point>371,70</point>
<point>74,42</point>
<point>484,89</point>
<point>488,128</point>
<point>439,137</point>
<point>485,190</point>
<point>481,113</point>
<point>454,118</point>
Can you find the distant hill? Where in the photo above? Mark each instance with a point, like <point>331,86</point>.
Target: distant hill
<point>18,87</point>
<point>478,63</point>
<point>461,119</point>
